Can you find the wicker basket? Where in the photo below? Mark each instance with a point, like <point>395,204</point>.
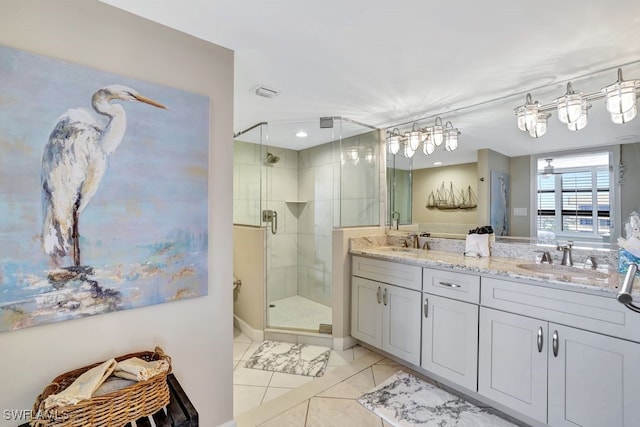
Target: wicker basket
<point>114,409</point>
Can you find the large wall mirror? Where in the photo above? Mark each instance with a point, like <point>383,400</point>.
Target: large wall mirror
<point>497,172</point>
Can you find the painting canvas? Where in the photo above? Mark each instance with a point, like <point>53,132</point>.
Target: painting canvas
<point>103,200</point>
<point>499,209</point>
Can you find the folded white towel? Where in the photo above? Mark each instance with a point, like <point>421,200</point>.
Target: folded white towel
<point>137,369</point>
<point>477,245</point>
<point>83,387</point>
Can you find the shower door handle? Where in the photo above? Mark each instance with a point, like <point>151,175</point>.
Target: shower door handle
<point>274,223</point>
<point>271,216</point>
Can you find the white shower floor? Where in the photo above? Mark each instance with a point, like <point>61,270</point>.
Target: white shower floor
<point>299,313</point>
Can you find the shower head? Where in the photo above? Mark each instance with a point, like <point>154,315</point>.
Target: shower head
<point>271,159</point>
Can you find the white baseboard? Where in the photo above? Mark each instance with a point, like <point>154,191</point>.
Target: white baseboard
<point>256,335</point>
<point>231,423</point>
<point>344,343</point>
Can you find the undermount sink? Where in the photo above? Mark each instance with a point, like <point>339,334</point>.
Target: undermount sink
<point>565,270</point>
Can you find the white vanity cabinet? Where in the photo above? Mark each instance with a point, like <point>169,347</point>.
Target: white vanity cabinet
<point>512,363</point>
<point>450,326</point>
<point>535,356</point>
<point>385,306</point>
<point>594,379</point>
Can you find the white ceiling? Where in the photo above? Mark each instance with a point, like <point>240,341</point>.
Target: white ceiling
<point>384,63</point>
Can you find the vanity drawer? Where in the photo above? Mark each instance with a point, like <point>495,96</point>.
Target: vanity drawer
<point>595,313</point>
<point>394,273</point>
<point>460,286</point>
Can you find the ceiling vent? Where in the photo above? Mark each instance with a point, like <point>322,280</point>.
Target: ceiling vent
<point>326,122</point>
<point>266,92</point>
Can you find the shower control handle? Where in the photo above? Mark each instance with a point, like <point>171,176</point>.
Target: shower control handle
<point>271,216</point>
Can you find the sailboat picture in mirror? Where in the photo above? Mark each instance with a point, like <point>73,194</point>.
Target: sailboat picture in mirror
<point>447,197</point>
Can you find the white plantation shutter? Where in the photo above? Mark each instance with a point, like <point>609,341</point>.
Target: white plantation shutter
<point>575,201</point>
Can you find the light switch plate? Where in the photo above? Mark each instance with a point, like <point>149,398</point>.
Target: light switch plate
<point>519,211</point>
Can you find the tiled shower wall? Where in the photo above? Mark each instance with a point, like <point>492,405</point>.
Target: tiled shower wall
<point>304,188</point>
<point>247,164</point>
<point>282,247</point>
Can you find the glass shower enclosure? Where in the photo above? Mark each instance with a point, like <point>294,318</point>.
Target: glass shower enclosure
<point>299,189</point>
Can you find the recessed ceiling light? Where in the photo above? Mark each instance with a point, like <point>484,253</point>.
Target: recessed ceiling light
<point>437,163</point>
<point>301,134</point>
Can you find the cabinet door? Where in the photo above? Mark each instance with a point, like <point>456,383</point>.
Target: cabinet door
<point>450,339</point>
<point>401,323</point>
<point>366,310</point>
<point>512,365</point>
<point>594,380</point>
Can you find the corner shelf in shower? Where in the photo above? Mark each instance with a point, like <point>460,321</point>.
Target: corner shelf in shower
<point>295,201</point>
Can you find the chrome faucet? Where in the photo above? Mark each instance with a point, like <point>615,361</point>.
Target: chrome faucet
<point>566,253</point>
<point>395,220</point>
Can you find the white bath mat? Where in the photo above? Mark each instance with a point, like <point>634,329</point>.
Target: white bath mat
<point>404,400</point>
<point>300,359</point>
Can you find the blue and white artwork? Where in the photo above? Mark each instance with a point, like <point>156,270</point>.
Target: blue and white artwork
<point>499,206</point>
<point>103,200</point>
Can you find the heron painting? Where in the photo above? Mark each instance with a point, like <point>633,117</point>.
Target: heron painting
<point>74,161</point>
<point>104,207</point>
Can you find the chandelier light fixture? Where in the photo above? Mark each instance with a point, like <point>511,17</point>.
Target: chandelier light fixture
<point>621,99</point>
<point>393,141</point>
<point>431,137</point>
<point>573,107</point>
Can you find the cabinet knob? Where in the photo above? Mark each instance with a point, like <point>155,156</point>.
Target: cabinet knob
<point>426,307</point>
<point>555,343</point>
<point>378,294</point>
<point>384,296</point>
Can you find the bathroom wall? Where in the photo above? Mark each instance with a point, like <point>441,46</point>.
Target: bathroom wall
<point>520,173</point>
<point>195,331</point>
<point>629,194</point>
<point>427,180</point>
<point>249,265</point>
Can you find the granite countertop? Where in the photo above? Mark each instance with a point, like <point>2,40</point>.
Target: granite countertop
<point>603,280</point>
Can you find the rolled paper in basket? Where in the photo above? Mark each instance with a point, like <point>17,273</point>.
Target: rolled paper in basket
<point>137,369</point>
<point>83,387</point>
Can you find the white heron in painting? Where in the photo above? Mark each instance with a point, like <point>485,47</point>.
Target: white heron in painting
<point>74,161</point>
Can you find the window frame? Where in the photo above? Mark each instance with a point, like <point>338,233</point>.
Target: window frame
<point>614,195</point>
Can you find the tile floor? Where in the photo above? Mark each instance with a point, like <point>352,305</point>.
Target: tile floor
<point>253,387</point>
<point>330,400</point>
